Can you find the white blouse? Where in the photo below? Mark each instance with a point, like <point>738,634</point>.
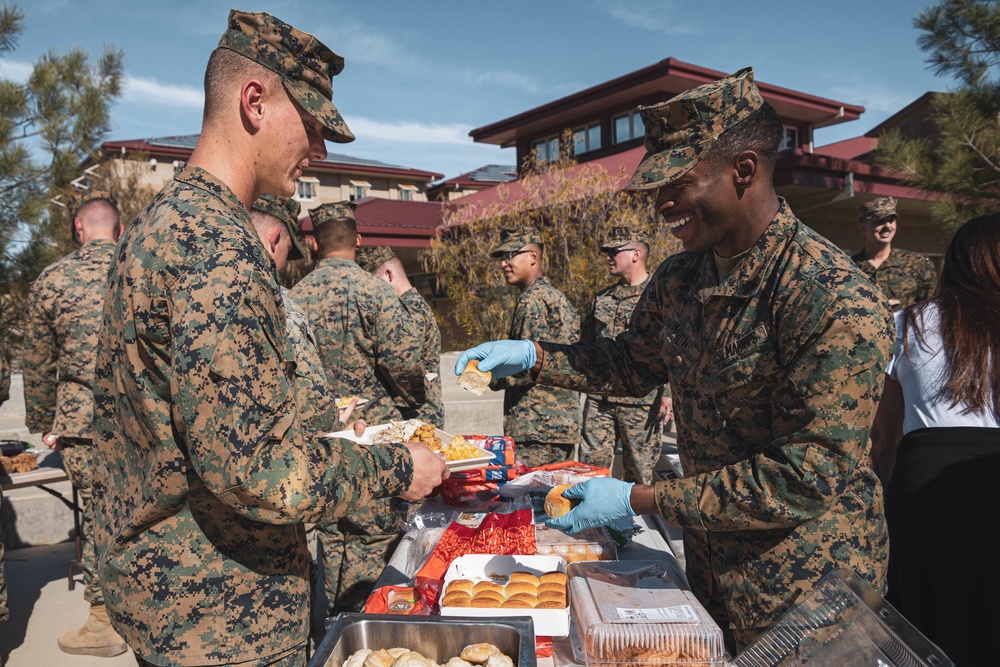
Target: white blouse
<point>922,376</point>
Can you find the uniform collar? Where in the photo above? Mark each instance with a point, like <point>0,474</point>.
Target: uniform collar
<point>746,277</point>
<point>632,290</point>
<point>540,280</point>
<point>335,261</point>
<point>197,177</point>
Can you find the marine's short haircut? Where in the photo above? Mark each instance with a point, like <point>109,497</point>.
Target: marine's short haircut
<point>225,69</point>
<point>98,212</point>
<point>337,234</point>
<point>761,132</point>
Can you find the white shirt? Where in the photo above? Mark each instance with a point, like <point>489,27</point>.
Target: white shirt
<point>922,377</point>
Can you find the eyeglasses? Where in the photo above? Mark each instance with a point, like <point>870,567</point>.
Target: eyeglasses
<point>614,251</point>
<point>507,256</point>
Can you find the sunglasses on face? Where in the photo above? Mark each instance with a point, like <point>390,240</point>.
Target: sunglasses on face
<point>507,256</point>
<point>613,252</point>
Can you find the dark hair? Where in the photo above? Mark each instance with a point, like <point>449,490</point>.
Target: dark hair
<point>760,132</point>
<point>968,298</point>
<point>336,234</point>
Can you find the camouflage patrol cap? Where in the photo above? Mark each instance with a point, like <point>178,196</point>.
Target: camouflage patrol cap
<point>680,131</point>
<point>305,64</point>
<point>877,209</point>
<point>515,239</point>
<point>82,197</point>
<point>372,257</point>
<point>285,209</point>
<point>326,213</point>
<point>621,236</point>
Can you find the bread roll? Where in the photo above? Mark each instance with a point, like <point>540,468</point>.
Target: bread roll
<point>485,602</point>
<point>489,595</point>
<point>456,601</point>
<point>516,587</point>
<point>551,604</point>
<point>487,586</point>
<point>532,600</point>
<point>475,380</point>
<point>461,585</point>
<point>556,505</point>
<point>554,577</point>
<point>514,603</point>
<point>526,577</point>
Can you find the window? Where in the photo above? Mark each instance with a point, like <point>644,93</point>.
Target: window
<point>790,139</point>
<point>586,138</point>
<point>359,190</point>
<point>305,188</point>
<point>546,150</point>
<point>628,126</point>
<point>406,192</point>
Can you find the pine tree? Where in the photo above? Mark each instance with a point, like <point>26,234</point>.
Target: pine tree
<point>48,126</point>
<point>962,160</point>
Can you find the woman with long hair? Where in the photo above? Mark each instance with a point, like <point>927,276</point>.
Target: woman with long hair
<point>936,448</point>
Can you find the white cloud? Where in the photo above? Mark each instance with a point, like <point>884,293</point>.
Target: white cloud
<point>654,15</point>
<point>408,132</point>
<point>874,97</point>
<point>142,90</point>
<point>15,70</point>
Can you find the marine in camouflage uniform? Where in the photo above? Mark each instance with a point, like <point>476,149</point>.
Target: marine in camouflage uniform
<point>4,395</point>
<point>543,421</point>
<point>905,277</point>
<point>383,263</point>
<point>369,348</point>
<point>207,472</point>
<point>776,368</point>
<point>276,218</point>
<point>635,422</point>
<point>64,318</point>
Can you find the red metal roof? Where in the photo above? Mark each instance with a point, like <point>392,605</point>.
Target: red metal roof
<point>659,82</point>
<point>849,149</point>
<point>393,222</point>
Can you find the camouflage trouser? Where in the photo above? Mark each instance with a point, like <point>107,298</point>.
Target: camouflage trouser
<point>354,551</point>
<point>4,611</point>
<point>540,453</point>
<point>641,436</point>
<point>295,659</point>
<point>77,455</point>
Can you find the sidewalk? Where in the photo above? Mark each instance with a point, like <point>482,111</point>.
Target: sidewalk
<point>42,607</point>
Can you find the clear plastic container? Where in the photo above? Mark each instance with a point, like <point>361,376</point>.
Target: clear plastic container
<point>842,621</point>
<point>590,544</point>
<point>640,613</point>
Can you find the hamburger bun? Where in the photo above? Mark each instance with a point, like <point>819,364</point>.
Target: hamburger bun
<point>456,600</point>
<point>461,585</point>
<point>520,587</point>
<point>487,586</point>
<point>516,604</point>
<point>475,380</point>
<point>485,603</point>
<point>556,505</point>
<point>532,600</point>
<point>491,595</point>
<point>551,587</point>
<point>551,604</point>
<point>525,577</point>
<point>554,577</point>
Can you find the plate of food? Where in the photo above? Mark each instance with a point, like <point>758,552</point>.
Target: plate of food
<point>459,454</point>
<point>346,400</point>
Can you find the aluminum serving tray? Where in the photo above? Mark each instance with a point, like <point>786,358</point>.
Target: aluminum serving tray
<point>436,637</point>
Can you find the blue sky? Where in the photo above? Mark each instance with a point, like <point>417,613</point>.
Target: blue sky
<point>420,75</point>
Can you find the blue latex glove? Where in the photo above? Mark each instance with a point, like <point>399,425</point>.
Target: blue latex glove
<point>501,357</point>
<point>604,500</point>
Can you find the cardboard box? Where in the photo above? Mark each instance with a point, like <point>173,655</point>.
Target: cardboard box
<point>549,622</point>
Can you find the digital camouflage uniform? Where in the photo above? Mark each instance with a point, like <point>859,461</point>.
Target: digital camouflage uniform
<point>609,419</point>
<point>543,421</point>
<point>776,374</point>
<point>369,349</point>
<point>64,318</point>
<point>4,395</point>
<point>208,470</point>
<point>432,412</point>
<point>905,276</point>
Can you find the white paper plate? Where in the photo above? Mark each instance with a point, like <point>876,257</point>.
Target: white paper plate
<point>460,465</point>
<point>361,401</point>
